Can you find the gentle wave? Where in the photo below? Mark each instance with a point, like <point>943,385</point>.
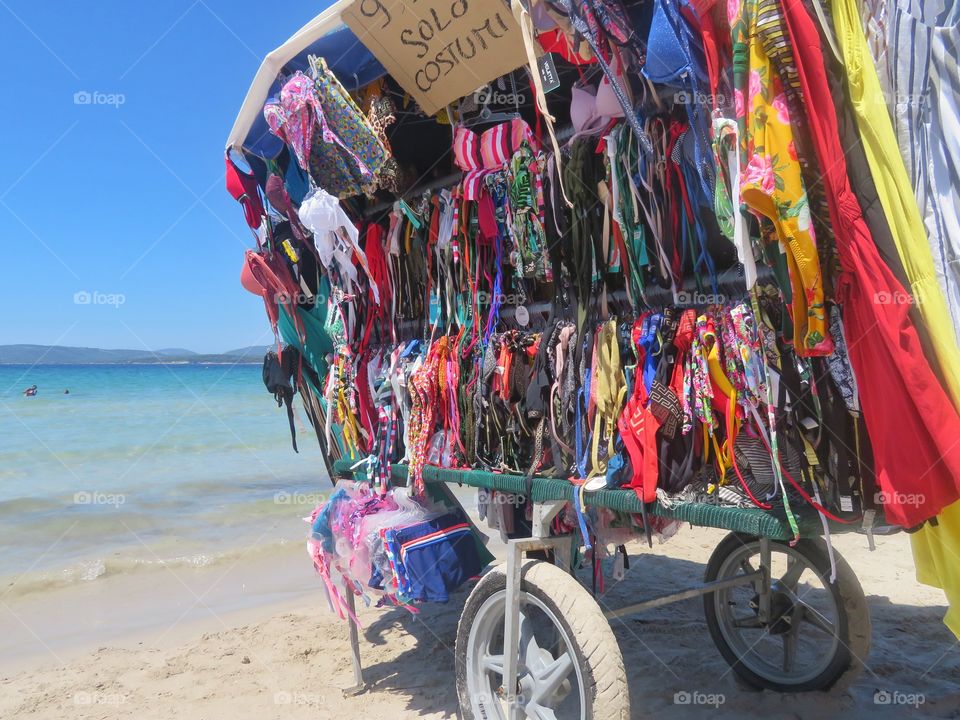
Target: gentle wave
<point>143,462</point>
<point>93,569</point>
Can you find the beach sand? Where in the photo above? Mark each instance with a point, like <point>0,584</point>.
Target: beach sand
<point>258,641</point>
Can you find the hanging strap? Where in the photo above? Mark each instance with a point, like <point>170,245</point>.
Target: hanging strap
<point>526,29</point>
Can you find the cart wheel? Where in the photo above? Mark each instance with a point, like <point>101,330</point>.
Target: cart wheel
<point>818,634</point>
<point>570,665</point>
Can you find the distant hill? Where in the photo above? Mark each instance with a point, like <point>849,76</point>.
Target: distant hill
<point>64,355</point>
<point>178,352</point>
<point>253,351</point>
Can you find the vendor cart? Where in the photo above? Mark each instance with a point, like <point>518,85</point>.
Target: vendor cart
<point>783,608</point>
<point>770,607</point>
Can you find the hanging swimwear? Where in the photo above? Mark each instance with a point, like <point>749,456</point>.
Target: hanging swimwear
<point>346,155</point>
<point>771,182</point>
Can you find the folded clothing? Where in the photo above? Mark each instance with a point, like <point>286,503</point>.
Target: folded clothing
<point>433,558</point>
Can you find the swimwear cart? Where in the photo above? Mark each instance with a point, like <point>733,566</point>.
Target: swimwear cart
<point>562,252</point>
<point>772,633</point>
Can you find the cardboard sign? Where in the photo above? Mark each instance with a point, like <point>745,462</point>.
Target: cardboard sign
<point>439,50</point>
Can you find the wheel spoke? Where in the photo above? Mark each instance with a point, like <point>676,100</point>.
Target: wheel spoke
<point>493,663</point>
<point>747,621</point>
<point>529,647</point>
<point>790,639</point>
<point>818,621</point>
<point>789,651</point>
<point>539,712</point>
<point>747,568</point>
<point>549,678</point>
<point>795,569</point>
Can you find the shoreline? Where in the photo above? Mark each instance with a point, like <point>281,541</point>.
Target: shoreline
<point>127,363</point>
<point>159,608</point>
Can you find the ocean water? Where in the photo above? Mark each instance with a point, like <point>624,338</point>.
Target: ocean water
<point>145,467</point>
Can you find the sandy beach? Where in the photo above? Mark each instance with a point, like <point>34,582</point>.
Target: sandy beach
<point>257,641</point>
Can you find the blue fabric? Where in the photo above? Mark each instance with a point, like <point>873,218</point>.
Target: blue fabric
<point>675,57</point>
<point>435,568</point>
<point>296,182</point>
<point>321,530</point>
<point>352,63</point>
<point>650,342</point>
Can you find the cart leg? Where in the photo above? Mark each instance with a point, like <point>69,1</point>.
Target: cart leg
<point>359,686</point>
<point>543,514</point>
<point>511,629</point>
<point>764,582</point>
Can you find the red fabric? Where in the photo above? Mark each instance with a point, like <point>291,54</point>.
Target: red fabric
<point>268,277</point>
<point>379,315</point>
<point>243,188</point>
<point>701,18</point>
<point>487,219</point>
<point>682,341</point>
<point>366,410</point>
<point>638,430</point>
<point>913,427</point>
<point>556,41</point>
<point>277,196</point>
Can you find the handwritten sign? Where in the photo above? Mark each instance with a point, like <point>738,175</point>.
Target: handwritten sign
<point>439,50</point>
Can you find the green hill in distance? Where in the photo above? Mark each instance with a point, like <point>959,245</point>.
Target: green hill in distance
<point>65,355</point>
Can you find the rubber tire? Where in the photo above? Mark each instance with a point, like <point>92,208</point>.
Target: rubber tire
<point>593,641</point>
<point>853,621</point>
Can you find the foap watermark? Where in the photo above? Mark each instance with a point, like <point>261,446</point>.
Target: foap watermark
<point>298,498</point>
<point>501,498</point>
<point>95,297</point>
<point>299,698</point>
<point>897,297</point>
<point>895,697</point>
<point>887,497</point>
<point>98,498</point>
<point>99,698</point>
<point>95,97</point>
<point>487,95</point>
<point>693,297</point>
<point>696,697</point>
<point>302,298</point>
<point>684,97</point>
<point>485,298</point>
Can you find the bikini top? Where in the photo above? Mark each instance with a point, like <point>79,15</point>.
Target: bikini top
<point>243,188</point>
<point>583,111</point>
<point>305,104</point>
<point>669,54</point>
<point>591,109</point>
<point>675,56</point>
<point>479,155</point>
<point>336,237</point>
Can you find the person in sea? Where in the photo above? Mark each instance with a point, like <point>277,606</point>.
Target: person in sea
<point>30,391</point>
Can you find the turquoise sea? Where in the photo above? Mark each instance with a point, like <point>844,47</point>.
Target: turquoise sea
<point>142,467</point>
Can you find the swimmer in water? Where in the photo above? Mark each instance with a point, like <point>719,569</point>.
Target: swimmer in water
<point>30,391</point>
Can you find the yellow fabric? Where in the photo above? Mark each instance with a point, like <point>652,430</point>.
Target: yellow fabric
<point>771,184</point>
<point>610,389</point>
<point>895,191</point>
<point>936,553</point>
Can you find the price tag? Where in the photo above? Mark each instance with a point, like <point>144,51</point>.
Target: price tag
<point>548,73</point>
<point>522,316</point>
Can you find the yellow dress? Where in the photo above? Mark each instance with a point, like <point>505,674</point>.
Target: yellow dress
<point>771,185</point>
<point>936,553</point>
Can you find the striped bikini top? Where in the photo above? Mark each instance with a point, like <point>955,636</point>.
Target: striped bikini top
<point>479,155</point>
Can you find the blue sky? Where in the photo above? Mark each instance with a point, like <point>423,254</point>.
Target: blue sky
<point>114,221</point>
